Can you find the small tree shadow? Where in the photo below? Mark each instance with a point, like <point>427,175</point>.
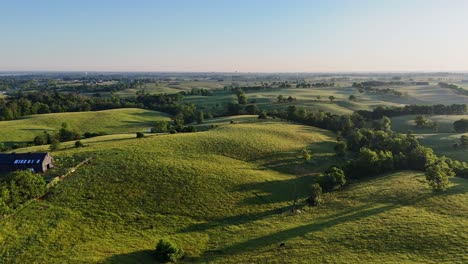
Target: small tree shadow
<point>142,256</point>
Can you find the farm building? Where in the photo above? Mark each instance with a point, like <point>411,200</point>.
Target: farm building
<point>38,162</point>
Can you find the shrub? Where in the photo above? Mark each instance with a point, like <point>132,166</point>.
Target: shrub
<point>167,251</point>
<point>340,148</point>
<point>140,135</point>
<point>437,175</point>
<point>262,115</point>
<point>54,145</point>
<point>78,144</point>
<point>315,197</point>
<point>332,178</point>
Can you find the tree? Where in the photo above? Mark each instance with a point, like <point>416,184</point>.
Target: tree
<point>292,109</point>
<point>386,124</point>
<point>200,117</point>
<point>160,127</point>
<point>318,97</point>
<point>251,109</point>
<point>67,134</point>
<point>420,157</point>
<point>234,109</point>
<point>435,126</point>
<point>352,97</point>
<point>437,175</point>
<point>315,197</point>
<point>306,154</point>
<point>340,148</point>
<point>78,144</point>
<point>24,186</point>
<point>461,126</point>
<point>332,178</point>
<point>140,135</point>
<point>40,140</point>
<point>262,115</point>
<point>242,98</point>
<point>420,121</point>
<point>54,145</point>
<point>331,98</point>
<point>167,251</point>
<point>464,141</point>
<point>280,98</point>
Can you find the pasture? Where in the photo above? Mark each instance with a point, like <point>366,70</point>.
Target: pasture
<point>224,196</point>
<point>117,121</point>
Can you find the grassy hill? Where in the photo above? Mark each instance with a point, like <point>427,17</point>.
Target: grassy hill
<point>223,195</point>
<point>441,141</point>
<point>110,121</point>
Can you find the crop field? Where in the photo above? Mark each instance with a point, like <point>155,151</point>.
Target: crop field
<point>231,204</point>
<point>109,121</point>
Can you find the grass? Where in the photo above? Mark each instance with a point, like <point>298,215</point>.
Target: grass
<point>223,195</point>
<point>441,141</point>
<point>110,121</point>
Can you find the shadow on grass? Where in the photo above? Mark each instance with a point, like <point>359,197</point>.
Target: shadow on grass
<point>278,191</point>
<point>319,224</point>
<point>234,220</point>
<point>143,256</point>
<point>281,236</point>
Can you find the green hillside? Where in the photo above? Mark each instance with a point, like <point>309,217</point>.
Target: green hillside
<point>441,140</point>
<point>110,121</point>
<point>223,195</point>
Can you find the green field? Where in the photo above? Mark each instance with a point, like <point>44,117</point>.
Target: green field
<point>224,195</point>
<point>441,141</point>
<point>116,121</point>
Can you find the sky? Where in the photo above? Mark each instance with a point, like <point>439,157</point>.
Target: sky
<point>235,35</point>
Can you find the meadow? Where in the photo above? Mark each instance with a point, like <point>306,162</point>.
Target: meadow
<point>224,194</point>
<point>442,140</point>
<point>231,204</point>
<point>117,121</point>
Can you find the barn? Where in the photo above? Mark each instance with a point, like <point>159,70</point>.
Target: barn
<point>37,162</point>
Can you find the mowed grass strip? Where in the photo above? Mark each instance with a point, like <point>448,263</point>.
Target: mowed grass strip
<point>110,121</point>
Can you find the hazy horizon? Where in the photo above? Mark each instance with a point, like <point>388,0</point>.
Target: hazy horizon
<point>242,36</point>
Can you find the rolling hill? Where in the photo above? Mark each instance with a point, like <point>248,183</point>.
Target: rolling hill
<point>109,121</point>
<point>224,196</point>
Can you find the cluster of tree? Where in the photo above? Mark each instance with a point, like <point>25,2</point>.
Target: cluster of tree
<point>461,126</point>
<point>319,84</point>
<point>422,122</point>
<point>198,91</point>
<point>249,88</point>
<point>96,87</point>
<point>64,134</point>
<point>325,120</point>
<point>363,89</point>
<point>177,125</point>
<point>54,102</point>
<point>18,188</point>
<point>462,142</point>
<point>376,83</point>
<point>378,150</point>
<point>281,99</point>
<point>381,111</point>
<point>454,87</point>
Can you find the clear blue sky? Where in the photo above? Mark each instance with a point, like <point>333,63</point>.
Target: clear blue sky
<point>235,35</point>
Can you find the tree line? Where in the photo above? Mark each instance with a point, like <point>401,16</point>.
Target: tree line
<point>377,150</point>
<point>454,87</point>
<point>390,111</point>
